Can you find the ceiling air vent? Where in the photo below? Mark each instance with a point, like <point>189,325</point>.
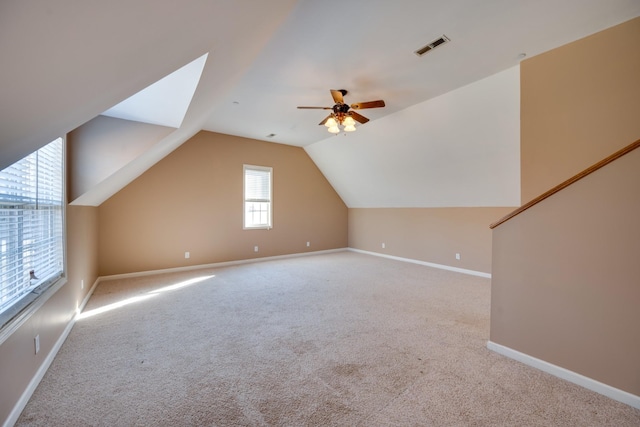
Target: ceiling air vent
<point>434,44</point>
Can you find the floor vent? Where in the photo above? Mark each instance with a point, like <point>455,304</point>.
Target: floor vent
<point>434,44</point>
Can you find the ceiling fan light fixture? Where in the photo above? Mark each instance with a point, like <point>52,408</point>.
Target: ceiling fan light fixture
<point>341,116</point>
<point>331,122</point>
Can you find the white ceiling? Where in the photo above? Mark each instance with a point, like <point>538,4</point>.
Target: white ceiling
<point>367,47</point>
<point>66,62</point>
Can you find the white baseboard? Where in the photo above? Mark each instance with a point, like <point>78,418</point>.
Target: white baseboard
<point>428,264</point>
<point>565,374</point>
<point>217,264</point>
<point>33,384</point>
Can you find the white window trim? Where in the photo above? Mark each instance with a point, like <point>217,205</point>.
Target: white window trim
<point>244,198</point>
<point>28,306</point>
<point>19,313</point>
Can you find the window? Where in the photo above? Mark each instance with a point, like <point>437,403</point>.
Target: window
<point>257,196</point>
<point>31,218</point>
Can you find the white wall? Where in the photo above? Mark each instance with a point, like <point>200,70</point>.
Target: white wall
<point>466,151</point>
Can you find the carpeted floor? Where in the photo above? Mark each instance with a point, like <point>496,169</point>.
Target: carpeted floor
<point>341,339</point>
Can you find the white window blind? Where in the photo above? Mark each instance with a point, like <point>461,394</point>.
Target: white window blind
<point>31,217</point>
<point>257,196</point>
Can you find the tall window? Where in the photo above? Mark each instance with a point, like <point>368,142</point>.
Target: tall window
<point>31,231</point>
<point>257,196</point>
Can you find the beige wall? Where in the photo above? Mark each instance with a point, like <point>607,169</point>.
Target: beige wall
<point>192,200</point>
<point>18,363</point>
<point>566,277</point>
<point>565,285</point>
<point>427,234</point>
<point>579,104</point>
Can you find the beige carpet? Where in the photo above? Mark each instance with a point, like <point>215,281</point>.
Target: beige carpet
<point>340,339</point>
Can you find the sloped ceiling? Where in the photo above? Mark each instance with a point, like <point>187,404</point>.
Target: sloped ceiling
<point>66,62</point>
<point>165,102</point>
<point>458,149</point>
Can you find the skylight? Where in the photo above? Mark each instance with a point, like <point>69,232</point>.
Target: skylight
<point>166,101</point>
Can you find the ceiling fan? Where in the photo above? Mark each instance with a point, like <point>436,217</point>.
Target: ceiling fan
<point>343,114</point>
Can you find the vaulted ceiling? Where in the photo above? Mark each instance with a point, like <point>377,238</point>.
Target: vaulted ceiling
<point>448,136</point>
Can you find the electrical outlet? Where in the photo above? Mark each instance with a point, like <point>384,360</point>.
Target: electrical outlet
<point>308,244</point>
<point>457,256</point>
<point>82,284</point>
<point>36,342</point>
<point>255,249</point>
<point>187,255</point>
<point>384,246</point>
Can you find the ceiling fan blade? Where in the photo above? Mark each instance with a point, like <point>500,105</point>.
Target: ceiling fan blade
<point>325,120</point>
<point>337,96</point>
<point>315,108</point>
<point>358,117</point>
<point>371,104</point>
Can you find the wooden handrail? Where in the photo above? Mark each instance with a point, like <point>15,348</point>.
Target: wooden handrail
<point>568,182</point>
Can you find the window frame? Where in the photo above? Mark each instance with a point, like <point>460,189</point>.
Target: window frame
<point>23,308</point>
<point>269,224</point>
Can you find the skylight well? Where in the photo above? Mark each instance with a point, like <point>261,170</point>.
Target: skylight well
<point>165,102</point>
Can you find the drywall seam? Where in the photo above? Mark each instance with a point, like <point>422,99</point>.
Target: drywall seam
<point>565,374</point>
<point>428,264</point>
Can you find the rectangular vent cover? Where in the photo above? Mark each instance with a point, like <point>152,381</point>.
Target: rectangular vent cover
<point>434,44</point>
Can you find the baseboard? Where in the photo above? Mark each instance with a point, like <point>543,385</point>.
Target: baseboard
<point>218,264</point>
<point>42,370</point>
<point>565,374</point>
<point>428,264</point>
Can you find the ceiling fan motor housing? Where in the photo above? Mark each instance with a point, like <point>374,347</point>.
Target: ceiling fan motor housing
<point>341,111</point>
<point>340,108</point>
